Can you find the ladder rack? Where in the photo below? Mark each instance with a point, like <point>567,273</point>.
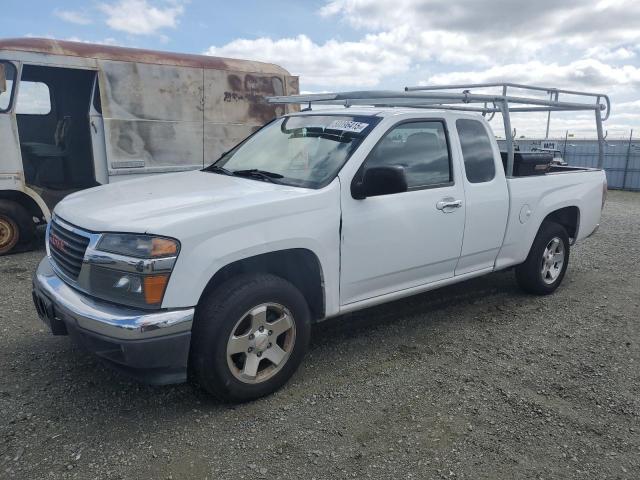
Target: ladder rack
<point>437,97</point>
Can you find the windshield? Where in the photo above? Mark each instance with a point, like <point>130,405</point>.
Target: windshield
<point>302,150</point>
<point>8,72</point>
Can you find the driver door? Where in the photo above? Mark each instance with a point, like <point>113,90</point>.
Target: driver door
<point>399,241</point>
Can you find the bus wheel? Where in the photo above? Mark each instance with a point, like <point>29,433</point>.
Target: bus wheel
<point>15,226</point>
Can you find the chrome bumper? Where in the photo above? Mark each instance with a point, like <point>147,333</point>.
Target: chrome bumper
<point>103,318</point>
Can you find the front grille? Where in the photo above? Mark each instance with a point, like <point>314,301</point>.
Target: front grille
<point>67,249</point>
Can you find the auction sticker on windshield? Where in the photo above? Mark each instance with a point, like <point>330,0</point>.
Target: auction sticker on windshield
<point>347,126</point>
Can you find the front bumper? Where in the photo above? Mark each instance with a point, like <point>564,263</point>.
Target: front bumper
<point>152,347</point>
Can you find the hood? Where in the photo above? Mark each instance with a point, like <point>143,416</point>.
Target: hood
<point>160,203</point>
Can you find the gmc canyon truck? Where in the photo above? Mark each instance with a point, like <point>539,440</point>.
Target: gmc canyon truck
<point>219,273</point>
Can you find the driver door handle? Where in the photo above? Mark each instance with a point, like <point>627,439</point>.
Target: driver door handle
<point>448,204</point>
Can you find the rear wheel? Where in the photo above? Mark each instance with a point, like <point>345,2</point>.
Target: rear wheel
<point>16,226</point>
<point>249,337</point>
<point>545,266</point>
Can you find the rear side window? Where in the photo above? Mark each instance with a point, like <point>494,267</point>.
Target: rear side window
<point>421,148</point>
<point>477,151</point>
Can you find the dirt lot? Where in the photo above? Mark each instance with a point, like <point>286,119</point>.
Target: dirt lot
<point>472,381</point>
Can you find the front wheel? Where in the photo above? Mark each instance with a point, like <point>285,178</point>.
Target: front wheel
<point>545,266</point>
<point>249,337</point>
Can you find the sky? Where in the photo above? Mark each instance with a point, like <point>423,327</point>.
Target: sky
<point>340,45</point>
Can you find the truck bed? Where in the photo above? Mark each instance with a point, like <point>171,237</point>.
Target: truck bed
<point>532,196</point>
<point>528,164</point>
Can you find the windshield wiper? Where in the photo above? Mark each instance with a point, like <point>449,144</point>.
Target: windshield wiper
<point>256,173</point>
<point>218,169</point>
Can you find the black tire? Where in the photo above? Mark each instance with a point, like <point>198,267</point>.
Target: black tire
<point>16,226</point>
<point>530,275</point>
<point>215,321</point>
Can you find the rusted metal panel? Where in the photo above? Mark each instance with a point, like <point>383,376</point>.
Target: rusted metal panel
<point>134,144</point>
<point>107,52</point>
<point>3,79</point>
<point>152,115</point>
<point>235,97</point>
<point>136,91</point>
<point>235,106</point>
<point>292,85</point>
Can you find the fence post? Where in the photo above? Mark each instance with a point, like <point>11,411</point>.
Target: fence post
<point>626,165</point>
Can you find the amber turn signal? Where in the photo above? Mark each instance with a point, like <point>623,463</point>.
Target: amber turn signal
<point>154,286</point>
<point>163,247</point>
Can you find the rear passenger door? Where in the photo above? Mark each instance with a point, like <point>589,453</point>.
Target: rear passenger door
<point>486,196</point>
<point>399,241</point>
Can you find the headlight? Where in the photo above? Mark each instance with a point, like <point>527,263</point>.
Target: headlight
<point>139,276</point>
<point>128,288</point>
<point>139,246</point>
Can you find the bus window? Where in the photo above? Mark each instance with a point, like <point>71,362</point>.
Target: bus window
<point>34,98</point>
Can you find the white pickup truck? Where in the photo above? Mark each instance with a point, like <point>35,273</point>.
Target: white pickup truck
<point>219,273</point>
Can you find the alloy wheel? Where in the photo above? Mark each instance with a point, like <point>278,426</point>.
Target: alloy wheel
<point>552,260</point>
<point>261,342</point>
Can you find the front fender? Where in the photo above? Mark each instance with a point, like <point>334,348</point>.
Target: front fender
<point>314,228</point>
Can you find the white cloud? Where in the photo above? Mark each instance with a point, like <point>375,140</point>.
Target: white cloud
<point>332,63</point>
<point>72,16</point>
<point>406,33</point>
<point>634,105</point>
<point>603,53</point>
<point>581,74</point>
<point>363,63</point>
<point>104,41</point>
<point>142,17</point>
<point>505,29</point>
<point>579,44</point>
<point>492,18</point>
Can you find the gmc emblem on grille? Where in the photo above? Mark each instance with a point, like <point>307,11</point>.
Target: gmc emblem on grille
<point>57,242</point>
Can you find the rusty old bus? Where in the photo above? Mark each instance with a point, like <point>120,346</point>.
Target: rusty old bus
<point>76,115</point>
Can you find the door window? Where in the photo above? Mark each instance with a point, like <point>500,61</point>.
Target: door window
<point>7,78</point>
<point>477,151</point>
<point>421,148</point>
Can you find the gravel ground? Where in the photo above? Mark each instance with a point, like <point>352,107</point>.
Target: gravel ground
<point>472,381</point>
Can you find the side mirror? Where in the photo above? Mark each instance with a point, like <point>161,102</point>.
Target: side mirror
<point>3,79</point>
<point>380,181</point>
